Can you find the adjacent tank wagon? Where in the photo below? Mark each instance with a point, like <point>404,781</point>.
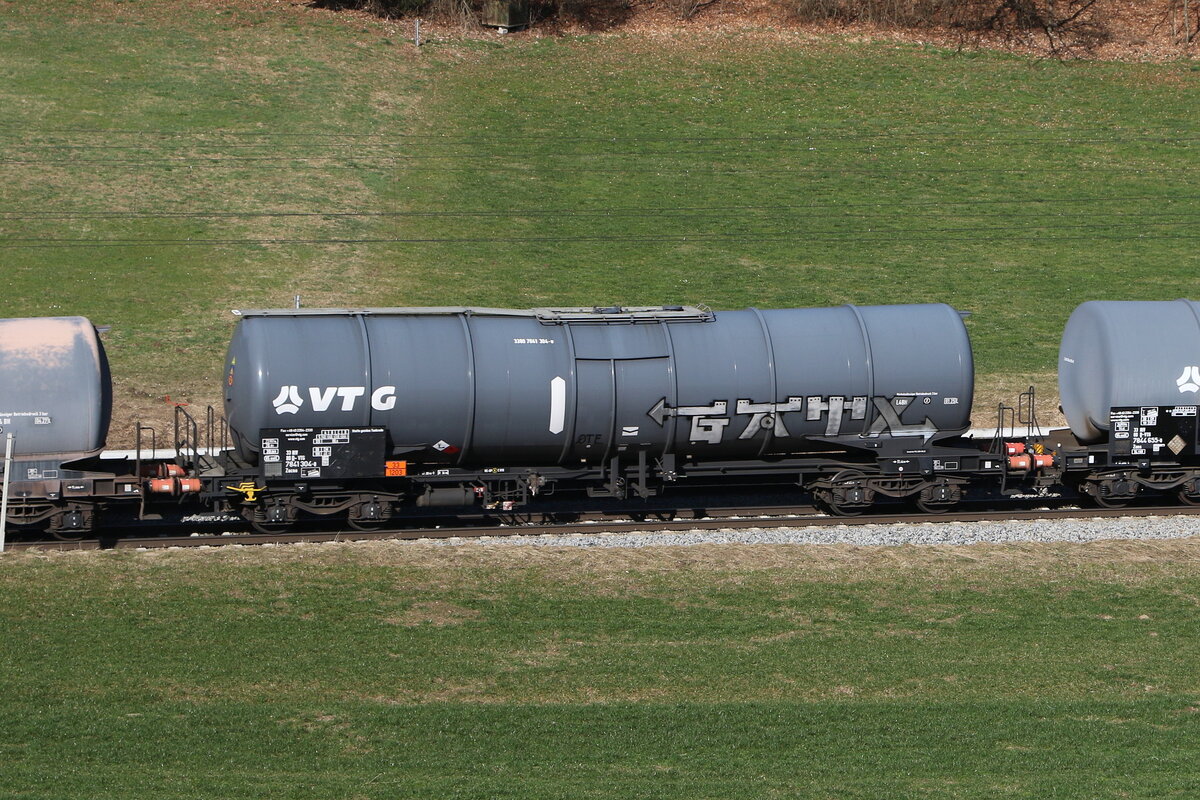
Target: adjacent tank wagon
<point>56,401</point>
<point>1127,353</point>
<point>1129,382</point>
<point>55,388</point>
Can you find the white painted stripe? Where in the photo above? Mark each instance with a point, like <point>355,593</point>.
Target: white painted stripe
<point>150,455</point>
<point>558,404</point>
<point>1018,432</point>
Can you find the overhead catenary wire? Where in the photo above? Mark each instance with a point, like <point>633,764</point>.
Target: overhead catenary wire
<point>814,145</point>
<point>408,148</point>
<point>657,161</point>
<point>835,210</point>
<point>358,163</point>
<point>940,130</point>
<point>807,236</point>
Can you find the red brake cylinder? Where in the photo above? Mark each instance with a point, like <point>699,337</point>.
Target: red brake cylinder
<point>164,485</point>
<point>1022,462</point>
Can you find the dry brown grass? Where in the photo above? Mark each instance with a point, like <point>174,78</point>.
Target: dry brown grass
<point>436,613</point>
<point>1142,30</point>
<point>992,390</point>
<point>438,568</point>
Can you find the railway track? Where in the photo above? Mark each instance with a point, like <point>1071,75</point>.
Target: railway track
<point>724,519</point>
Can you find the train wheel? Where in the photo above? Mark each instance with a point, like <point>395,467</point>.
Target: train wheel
<point>652,516</point>
<point>56,528</point>
<point>270,528</point>
<point>18,529</point>
<point>837,509</point>
<point>1111,502</point>
<point>66,536</point>
<point>366,525</point>
<point>370,516</point>
<point>937,499</point>
<point>71,525</point>
<point>1113,494</point>
<point>847,496</point>
<point>1188,496</point>
<point>273,520</point>
<point>844,503</point>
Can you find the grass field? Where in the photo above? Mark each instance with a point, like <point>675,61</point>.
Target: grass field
<point>161,163</point>
<point>718,672</point>
<point>164,162</point>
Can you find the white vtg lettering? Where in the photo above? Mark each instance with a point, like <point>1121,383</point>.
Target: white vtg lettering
<point>384,398</point>
<point>323,398</point>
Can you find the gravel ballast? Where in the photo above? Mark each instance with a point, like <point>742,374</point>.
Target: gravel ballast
<point>929,533</point>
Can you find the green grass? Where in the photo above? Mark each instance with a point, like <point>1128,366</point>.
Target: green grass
<point>838,173</point>
<point>166,126</point>
<point>393,671</point>
<point>141,145</point>
<point>734,169</point>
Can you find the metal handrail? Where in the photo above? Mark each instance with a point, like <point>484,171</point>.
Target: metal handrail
<point>1006,426</point>
<point>181,444</point>
<point>1027,411</point>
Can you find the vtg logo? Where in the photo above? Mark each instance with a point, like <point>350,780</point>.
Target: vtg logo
<point>289,401</point>
<point>1189,380</point>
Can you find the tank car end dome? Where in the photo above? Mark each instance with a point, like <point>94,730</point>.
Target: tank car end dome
<point>1127,353</point>
<point>55,386</point>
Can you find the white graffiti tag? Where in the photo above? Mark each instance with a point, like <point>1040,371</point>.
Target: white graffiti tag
<point>708,423</point>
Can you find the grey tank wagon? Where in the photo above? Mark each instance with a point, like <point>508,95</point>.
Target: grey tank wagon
<point>476,387</point>
<point>619,401</point>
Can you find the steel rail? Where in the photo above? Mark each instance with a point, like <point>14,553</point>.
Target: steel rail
<point>727,519</point>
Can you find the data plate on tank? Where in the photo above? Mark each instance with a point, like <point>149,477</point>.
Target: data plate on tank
<point>309,453</point>
<point>1161,433</point>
